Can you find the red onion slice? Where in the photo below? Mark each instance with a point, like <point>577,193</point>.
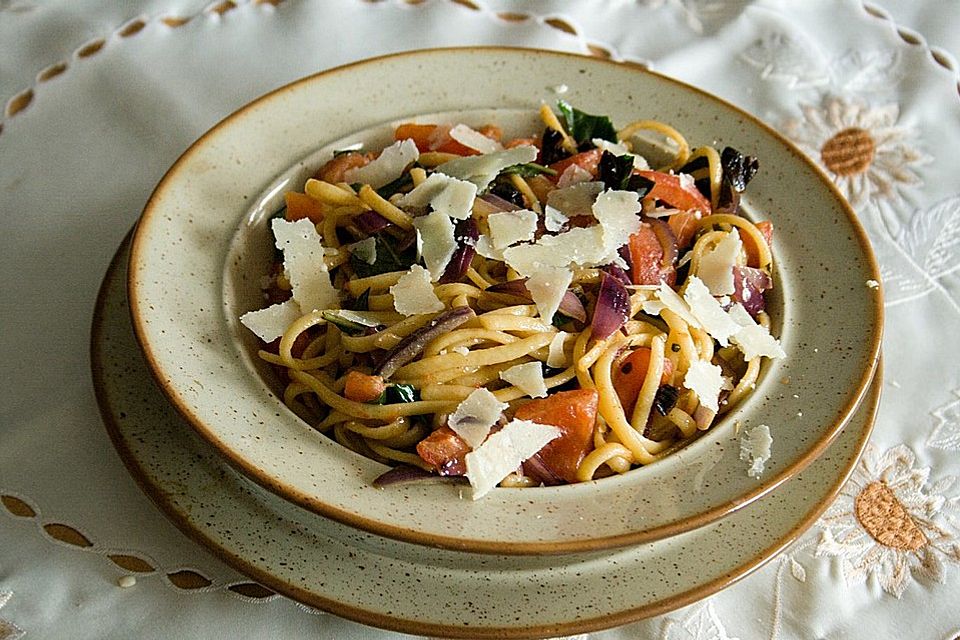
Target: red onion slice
<point>748,287</point>
<point>612,309</point>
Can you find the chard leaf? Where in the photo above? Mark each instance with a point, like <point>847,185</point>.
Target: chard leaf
<point>388,259</point>
<point>528,170</point>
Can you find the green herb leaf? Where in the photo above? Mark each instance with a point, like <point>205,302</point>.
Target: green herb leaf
<point>350,322</point>
<point>528,170</point>
<point>399,393</point>
<point>396,186</point>
<point>584,127</point>
<point>388,258</point>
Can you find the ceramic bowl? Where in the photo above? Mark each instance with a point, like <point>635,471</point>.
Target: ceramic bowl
<point>201,247</point>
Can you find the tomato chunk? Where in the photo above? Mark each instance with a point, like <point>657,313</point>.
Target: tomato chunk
<point>668,188</point>
<point>445,451</point>
<point>361,387</point>
<point>628,377</point>
<point>300,205</point>
<point>335,170</point>
<point>646,259</point>
<point>684,226</point>
<point>575,414</point>
<point>765,227</point>
<point>586,160</point>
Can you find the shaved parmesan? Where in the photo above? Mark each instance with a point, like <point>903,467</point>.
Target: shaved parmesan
<point>617,212</point>
<point>755,446</point>
<point>716,265</point>
<point>574,174</point>
<point>752,338</point>
<point>527,377</point>
<point>547,288</point>
<point>365,250</point>
<point>482,169</point>
<point>304,264</point>
<point>580,246</point>
<point>484,246</point>
<point>708,311</point>
<point>621,149</point>
<point>553,219</point>
<point>439,243</point>
<point>474,416</point>
<point>669,299</point>
<point>576,199</point>
<point>706,380</point>
<point>413,294</point>
<point>511,227</point>
<point>271,323</point>
<point>474,139</point>
<point>444,194</point>
<point>504,451</point>
<point>556,358</point>
<point>387,167</point>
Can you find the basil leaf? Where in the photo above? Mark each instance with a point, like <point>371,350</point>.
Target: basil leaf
<point>388,259</point>
<point>398,393</point>
<point>584,127</point>
<point>528,170</point>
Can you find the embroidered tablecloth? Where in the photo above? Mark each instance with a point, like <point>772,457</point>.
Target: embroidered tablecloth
<point>99,98</point>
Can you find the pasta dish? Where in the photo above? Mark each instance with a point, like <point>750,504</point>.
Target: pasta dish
<point>528,311</point>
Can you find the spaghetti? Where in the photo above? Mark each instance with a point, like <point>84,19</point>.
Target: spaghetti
<point>555,280</point>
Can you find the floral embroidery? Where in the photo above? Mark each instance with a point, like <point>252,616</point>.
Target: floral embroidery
<point>8,630</point>
<point>946,432</point>
<point>888,523</point>
<point>932,238</point>
<point>703,623</point>
<point>869,156</point>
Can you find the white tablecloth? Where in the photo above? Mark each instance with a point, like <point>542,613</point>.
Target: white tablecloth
<point>101,97</point>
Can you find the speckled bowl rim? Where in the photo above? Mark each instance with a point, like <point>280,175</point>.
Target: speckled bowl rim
<point>482,544</point>
<point>185,523</point>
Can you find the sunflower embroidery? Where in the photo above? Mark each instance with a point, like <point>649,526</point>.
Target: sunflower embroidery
<point>869,156</point>
<point>888,523</point>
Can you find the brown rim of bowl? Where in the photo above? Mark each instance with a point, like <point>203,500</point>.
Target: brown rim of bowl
<point>312,503</point>
<point>182,521</point>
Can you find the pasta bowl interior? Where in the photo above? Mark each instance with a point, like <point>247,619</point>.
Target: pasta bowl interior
<point>206,249</point>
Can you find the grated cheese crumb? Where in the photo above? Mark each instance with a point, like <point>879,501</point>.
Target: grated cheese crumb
<point>755,446</point>
<point>873,284</point>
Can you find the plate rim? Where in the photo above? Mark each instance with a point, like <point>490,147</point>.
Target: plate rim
<point>483,545</point>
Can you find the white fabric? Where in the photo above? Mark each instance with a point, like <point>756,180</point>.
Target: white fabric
<point>77,164</point>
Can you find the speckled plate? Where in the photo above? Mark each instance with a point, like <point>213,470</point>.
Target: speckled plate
<point>194,268</point>
<point>418,589</point>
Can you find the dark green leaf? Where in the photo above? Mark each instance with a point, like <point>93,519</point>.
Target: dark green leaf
<point>362,302</point>
<point>528,170</point>
<point>351,324</point>
<point>584,127</point>
<point>388,258</point>
<point>396,186</point>
<point>398,393</point>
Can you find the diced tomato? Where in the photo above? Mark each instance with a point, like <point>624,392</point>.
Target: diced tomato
<point>646,259</point>
<point>445,451</point>
<point>575,413</point>
<point>420,134</point>
<point>684,226</point>
<point>432,137</point>
<point>765,227</point>
<point>491,131</point>
<point>521,142</point>
<point>668,188</point>
<point>300,205</point>
<point>586,160</point>
<point>335,170</point>
<point>361,387</point>
<point>628,377</point>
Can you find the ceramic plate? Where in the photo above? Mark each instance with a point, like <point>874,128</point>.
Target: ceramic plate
<point>193,270</point>
<point>418,589</point>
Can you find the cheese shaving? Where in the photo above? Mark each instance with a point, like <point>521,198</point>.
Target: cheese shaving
<point>304,265</point>
<point>386,167</point>
<point>474,139</point>
<point>755,448</point>
<point>528,377</point>
<point>504,451</point>
<point>753,339</point>
<point>510,227</point>
<point>271,323</point>
<point>717,263</point>
<point>708,311</point>
<point>444,194</point>
<point>482,169</point>
<point>556,358</point>
<point>439,243</point>
<point>474,416</point>
<point>365,250</point>
<point>706,380</point>
<point>413,294</point>
<point>547,288</point>
<point>576,199</point>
